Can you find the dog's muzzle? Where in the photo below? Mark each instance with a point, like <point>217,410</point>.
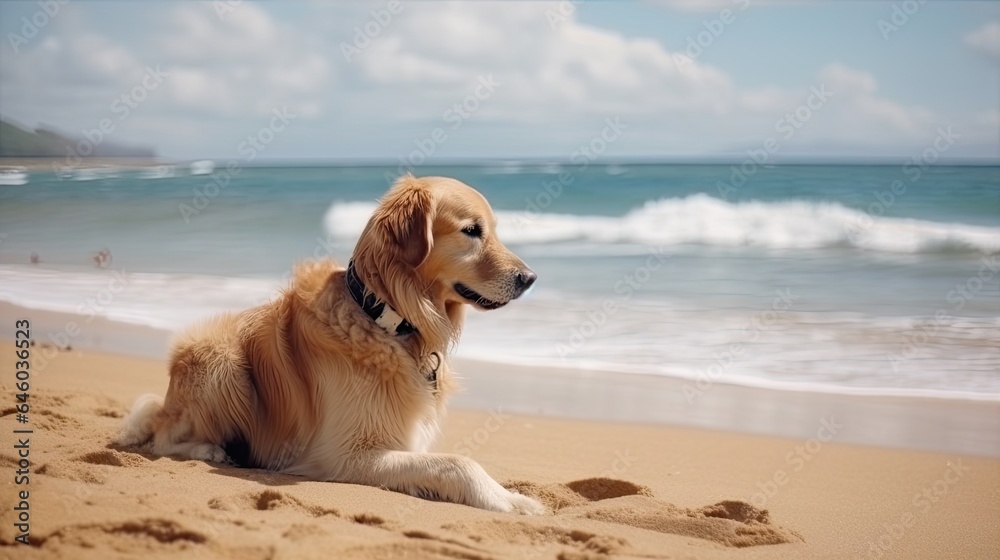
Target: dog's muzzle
<point>524,280</point>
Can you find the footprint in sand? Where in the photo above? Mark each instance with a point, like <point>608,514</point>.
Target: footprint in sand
<point>618,502</point>
<point>729,523</point>
<point>370,520</point>
<point>161,534</point>
<point>505,532</point>
<point>89,467</point>
<point>114,458</point>
<point>150,537</point>
<point>266,500</point>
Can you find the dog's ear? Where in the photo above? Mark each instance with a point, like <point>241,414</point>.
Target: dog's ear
<point>408,221</point>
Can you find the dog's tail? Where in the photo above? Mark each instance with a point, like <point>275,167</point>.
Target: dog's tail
<point>138,428</point>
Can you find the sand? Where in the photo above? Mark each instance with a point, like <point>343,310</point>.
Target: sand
<point>616,490</point>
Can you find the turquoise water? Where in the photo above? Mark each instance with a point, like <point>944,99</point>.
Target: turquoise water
<point>862,270</point>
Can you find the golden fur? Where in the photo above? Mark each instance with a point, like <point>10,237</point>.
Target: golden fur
<point>309,384</point>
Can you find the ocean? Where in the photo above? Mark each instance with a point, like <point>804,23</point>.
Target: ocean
<point>880,280</point>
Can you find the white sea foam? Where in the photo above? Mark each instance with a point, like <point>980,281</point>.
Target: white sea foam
<point>704,220</point>
<point>830,352</point>
<point>161,301</point>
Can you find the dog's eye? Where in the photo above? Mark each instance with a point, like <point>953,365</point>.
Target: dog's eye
<point>473,231</point>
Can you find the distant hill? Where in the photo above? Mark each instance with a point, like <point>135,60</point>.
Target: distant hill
<point>47,142</point>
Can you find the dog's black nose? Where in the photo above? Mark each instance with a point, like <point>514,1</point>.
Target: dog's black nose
<point>525,279</point>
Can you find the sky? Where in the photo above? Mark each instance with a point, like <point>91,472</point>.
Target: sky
<point>383,80</point>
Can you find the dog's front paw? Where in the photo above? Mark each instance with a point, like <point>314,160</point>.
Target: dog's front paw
<point>525,505</point>
<point>208,452</point>
<point>498,498</point>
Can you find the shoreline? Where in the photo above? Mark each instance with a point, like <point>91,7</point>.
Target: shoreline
<point>917,423</point>
<point>936,424</point>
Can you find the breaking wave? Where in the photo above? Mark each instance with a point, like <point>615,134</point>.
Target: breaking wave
<point>704,220</point>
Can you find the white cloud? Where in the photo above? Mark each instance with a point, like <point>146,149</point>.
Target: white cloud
<point>859,108</point>
<point>559,81</point>
<point>848,80</point>
<point>242,64</point>
<point>224,76</point>
<point>69,75</point>
<point>393,63</point>
<point>548,71</point>
<point>986,39</point>
<point>573,72</point>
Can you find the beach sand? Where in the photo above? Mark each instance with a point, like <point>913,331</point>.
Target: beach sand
<point>617,490</point>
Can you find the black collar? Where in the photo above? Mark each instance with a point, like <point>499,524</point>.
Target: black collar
<point>379,311</point>
<point>387,318</point>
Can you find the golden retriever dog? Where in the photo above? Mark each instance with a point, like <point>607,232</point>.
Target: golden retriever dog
<point>344,376</point>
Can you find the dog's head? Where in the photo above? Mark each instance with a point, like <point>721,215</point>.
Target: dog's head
<point>432,242</point>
